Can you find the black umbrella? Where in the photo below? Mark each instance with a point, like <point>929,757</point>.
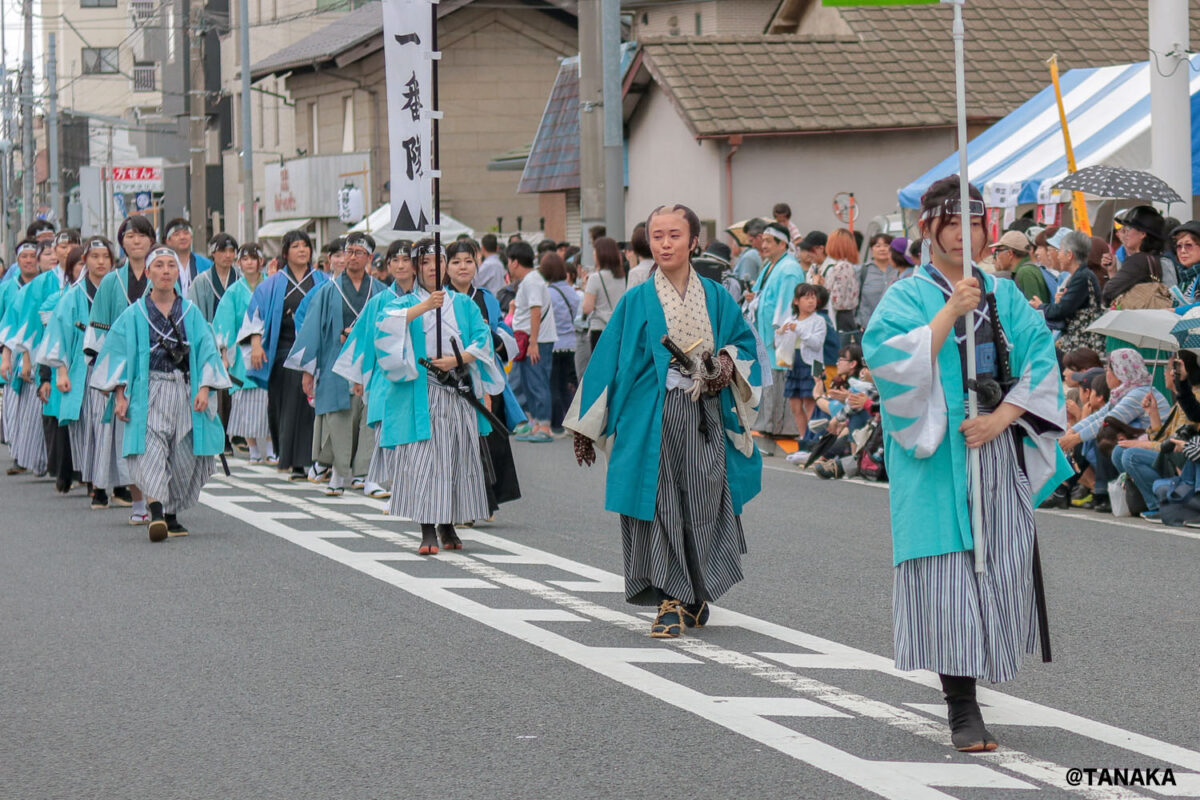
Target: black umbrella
<point>1102,181</point>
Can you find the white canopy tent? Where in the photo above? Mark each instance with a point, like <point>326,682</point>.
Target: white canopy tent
<point>379,224</point>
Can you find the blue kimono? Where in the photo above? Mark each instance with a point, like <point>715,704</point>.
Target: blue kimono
<point>513,414</point>
<point>357,361</point>
<point>8,299</point>
<point>923,406</point>
<point>619,404</point>
<point>112,297</point>
<point>227,321</point>
<point>125,360</point>
<point>319,326</point>
<point>264,315</point>
<point>62,346</point>
<point>398,382</point>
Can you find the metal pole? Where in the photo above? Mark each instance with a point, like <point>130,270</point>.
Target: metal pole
<point>614,139</point>
<point>198,212</point>
<point>52,136</point>
<point>249,218</point>
<point>27,146</point>
<point>591,124</point>
<point>960,86</point>
<point>6,243</point>
<point>1170,98</point>
<point>435,159</point>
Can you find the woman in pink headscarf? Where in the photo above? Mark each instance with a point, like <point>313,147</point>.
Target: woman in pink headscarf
<point>1129,382</point>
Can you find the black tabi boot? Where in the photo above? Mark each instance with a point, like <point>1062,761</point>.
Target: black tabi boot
<point>121,496</point>
<point>99,499</point>
<point>174,528</point>
<point>158,524</point>
<point>450,540</point>
<point>429,541</point>
<point>967,732</point>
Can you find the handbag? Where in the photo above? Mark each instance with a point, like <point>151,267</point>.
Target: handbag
<point>1076,334</point>
<point>1151,294</point>
<point>522,345</point>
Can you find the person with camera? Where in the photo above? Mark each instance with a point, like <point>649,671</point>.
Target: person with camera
<point>429,371</point>
<point>324,321</point>
<point>948,618</point>
<point>161,362</point>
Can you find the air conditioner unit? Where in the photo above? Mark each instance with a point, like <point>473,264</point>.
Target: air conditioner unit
<point>145,77</point>
<point>142,9</point>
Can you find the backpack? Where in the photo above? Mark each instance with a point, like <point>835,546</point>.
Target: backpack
<point>843,286</point>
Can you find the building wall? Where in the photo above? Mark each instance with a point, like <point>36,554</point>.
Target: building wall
<point>807,171</point>
<point>703,17</point>
<point>668,165</point>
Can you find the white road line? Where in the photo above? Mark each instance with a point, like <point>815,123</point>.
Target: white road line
<point>830,655</point>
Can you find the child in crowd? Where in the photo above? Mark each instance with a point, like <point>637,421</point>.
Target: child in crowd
<point>799,344</point>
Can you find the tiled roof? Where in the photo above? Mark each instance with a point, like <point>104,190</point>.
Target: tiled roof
<point>553,163</point>
<point>896,70</point>
<point>335,38</point>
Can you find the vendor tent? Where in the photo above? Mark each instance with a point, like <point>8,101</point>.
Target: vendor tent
<point>379,224</point>
<point>1019,158</point>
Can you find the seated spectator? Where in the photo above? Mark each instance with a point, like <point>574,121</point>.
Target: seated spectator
<point>1187,254</point>
<point>1011,258</point>
<point>846,399</point>
<point>1078,298</point>
<point>1081,383</point>
<point>1141,235</point>
<point>1140,458</point>
<point>1079,360</point>
<point>1129,384</point>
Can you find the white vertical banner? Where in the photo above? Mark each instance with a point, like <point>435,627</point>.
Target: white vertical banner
<point>408,66</point>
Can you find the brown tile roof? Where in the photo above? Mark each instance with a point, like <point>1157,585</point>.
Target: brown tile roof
<point>897,70</point>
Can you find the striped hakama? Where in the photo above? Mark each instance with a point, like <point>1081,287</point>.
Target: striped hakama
<point>774,414</point>
<point>692,549</point>
<point>248,415</point>
<point>383,463</point>
<point>953,621</point>
<point>8,413</point>
<point>82,441</point>
<point>28,440</point>
<point>108,468</point>
<point>440,480</point>
<point>168,471</point>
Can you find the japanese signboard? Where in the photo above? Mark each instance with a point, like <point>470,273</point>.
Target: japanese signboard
<point>136,179</point>
<point>408,56</point>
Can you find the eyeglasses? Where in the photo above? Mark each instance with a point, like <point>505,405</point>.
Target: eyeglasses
<point>1000,250</point>
<point>357,251</point>
<point>1187,246</point>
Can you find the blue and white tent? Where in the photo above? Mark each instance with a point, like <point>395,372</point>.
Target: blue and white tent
<point>1018,159</point>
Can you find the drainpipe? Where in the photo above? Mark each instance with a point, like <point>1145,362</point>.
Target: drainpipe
<point>735,142</point>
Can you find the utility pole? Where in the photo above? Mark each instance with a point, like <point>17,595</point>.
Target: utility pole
<point>1170,98</point>
<point>197,122</point>
<point>6,241</point>
<point>52,138</point>
<point>27,147</point>
<point>250,224</point>
<point>614,129</point>
<point>591,124</point>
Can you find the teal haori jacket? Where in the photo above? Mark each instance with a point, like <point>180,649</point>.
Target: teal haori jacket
<point>619,404</point>
<point>62,346</point>
<point>923,406</point>
<point>401,390</point>
<point>125,360</point>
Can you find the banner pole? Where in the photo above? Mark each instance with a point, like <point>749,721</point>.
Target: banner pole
<point>960,86</point>
<point>1078,204</point>
<point>435,164</point>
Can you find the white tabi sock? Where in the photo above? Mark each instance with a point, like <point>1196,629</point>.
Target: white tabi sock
<point>139,506</point>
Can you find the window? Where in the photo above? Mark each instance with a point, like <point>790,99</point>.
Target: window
<point>99,60</point>
<point>145,76</point>
<point>142,10</point>
<point>97,3</point>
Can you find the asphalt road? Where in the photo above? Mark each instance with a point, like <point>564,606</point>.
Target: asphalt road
<point>292,647</point>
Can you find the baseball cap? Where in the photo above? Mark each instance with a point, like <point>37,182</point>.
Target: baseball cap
<point>1013,240</point>
<point>1085,378</point>
<point>1056,240</point>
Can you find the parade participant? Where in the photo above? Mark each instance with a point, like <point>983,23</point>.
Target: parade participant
<point>681,462</point>
<point>161,362</point>
<point>178,236</point>
<point>248,403</point>
<point>210,286</point>
<point>40,230</point>
<point>21,334</point>
<point>12,368</point>
<point>379,270</point>
<point>60,448</point>
<point>125,284</point>
<point>335,256</point>
<point>95,451</point>
<point>267,334</point>
<point>461,272</point>
<point>64,241</point>
<point>24,268</point>
<point>948,618</point>
<point>435,429</point>
<point>358,355</point>
<point>770,303</point>
<point>325,319</point>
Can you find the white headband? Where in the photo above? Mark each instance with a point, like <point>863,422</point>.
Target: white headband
<point>27,246</point>
<point>778,234</point>
<point>162,251</point>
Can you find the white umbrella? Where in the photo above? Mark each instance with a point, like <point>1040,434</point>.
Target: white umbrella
<point>1149,328</point>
